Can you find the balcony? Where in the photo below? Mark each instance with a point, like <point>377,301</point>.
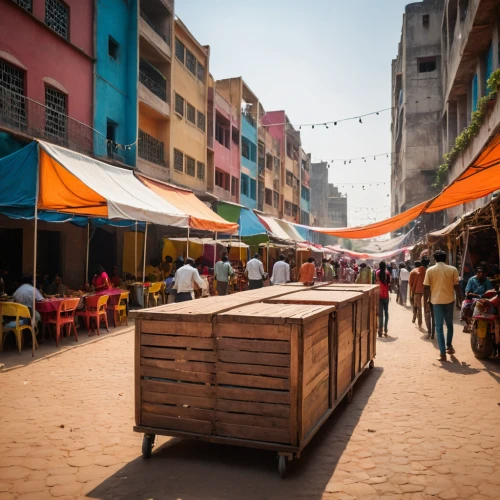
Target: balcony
<point>154,89</point>
<point>164,34</point>
<point>157,33</point>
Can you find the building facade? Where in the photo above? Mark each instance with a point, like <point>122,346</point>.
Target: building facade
<point>115,109</point>
<point>48,93</point>
<point>305,187</point>
<point>417,104</point>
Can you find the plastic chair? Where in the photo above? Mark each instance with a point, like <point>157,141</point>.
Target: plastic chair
<point>163,292</point>
<point>21,323</point>
<point>64,317</point>
<point>153,292</point>
<point>96,309</point>
<point>120,309</point>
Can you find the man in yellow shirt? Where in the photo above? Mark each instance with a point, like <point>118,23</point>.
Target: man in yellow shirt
<point>440,285</point>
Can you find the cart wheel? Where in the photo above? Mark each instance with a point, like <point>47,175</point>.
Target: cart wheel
<point>372,364</point>
<point>350,395</point>
<point>282,466</point>
<point>147,445</point>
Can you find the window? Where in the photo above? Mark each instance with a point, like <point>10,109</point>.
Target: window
<point>201,171</point>
<point>289,178</point>
<point>111,137</point>
<point>190,61</point>
<point>276,199</point>
<point>55,114</point>
<point>288,208</point>
<point>190,113</point>
<point>25,4</point>
<point>244,185</point>
<point>57,17</point>
<point>200,72</point>
<point>201,121</point>
<point>12,102</point>
<point>222,135</point>
<point>179,104</point>
<point>304,193</point>
<point>475,95</point>
<point>425,20</point>
<point>269,197</point>
<point>190,166</point>
<point>253,189</point>
<point>178,160</point>
<point>245,148</point>
<point>269,162</point>
<point>234,186</point>
<point>219,178</point>
<point>113,47</point>
<point>427,65</point>
<point>179,50</point>
<point>150,148</point>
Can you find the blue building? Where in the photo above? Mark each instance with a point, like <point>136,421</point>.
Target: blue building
<point>248,197</point>
<point>116,75</point>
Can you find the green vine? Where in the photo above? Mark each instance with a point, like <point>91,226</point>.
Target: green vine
<point>465,138</point>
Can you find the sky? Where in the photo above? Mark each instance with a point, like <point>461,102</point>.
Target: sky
<point>319,60</point>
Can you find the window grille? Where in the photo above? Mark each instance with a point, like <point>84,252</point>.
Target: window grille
<point>12,102</point>
<point>150,148</point>
<point>201,171</point>
<point>179,104</point>
<point>200,72</point>
<point>190,166</point>
<point>178,160</point>
<point>190,61</point>
<point>201,121</point>
<point>25,4</point>
<point>179,50</point>
<point>55,114</point>
<point>57,17</point>
<point>190,113</point>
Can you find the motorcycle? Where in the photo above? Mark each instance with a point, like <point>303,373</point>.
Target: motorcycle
<point>485,334</point>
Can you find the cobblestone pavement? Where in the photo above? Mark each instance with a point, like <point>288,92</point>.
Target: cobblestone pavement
<point>417,429</point>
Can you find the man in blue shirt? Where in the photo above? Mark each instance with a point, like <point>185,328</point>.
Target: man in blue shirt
<point>478,284</point>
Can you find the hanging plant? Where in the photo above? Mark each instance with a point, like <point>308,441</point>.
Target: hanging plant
<point>471,131</point>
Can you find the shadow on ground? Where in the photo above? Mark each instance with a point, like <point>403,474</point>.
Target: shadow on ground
<point>189,470</point>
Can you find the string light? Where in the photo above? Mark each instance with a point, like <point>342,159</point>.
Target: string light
<point>361,158</point>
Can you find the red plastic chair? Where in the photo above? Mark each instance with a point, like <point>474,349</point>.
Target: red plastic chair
<point>96,310</point>
<point>64,317</point>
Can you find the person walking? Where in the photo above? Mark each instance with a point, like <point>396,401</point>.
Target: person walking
<point>404,275</point>
<point>416,284</point>
<point>255,273</point>
<point>281,272</point>
<point>365,275</point>
<point>307,272</point>
<point>440,285</point>
<point>328,272</point>
<point>222,272</point>
<point>383,279</point>
<point>185,279</point>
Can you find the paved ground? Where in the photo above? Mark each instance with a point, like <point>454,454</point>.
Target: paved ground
<point>417,429</point>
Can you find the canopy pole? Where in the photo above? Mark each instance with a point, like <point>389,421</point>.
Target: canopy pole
<point>135,267</point>
<point>466,248</point>
<point>296,263</point>
<point>267,257</point>
<point>495,225</point>
<point>187,245</point>
<point>35,241</point>
<point>215,251</point>
<point>87,260</point>
<point>144,257</point>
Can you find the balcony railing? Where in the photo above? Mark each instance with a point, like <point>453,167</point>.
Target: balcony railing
<point>165,35</point>
<point>158,89</point>
<point>151,149</point>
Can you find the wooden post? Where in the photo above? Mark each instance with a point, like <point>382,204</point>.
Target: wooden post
<point>144,257</point>
<point>135,261</point>
<point>495,225</point>
<point>215,251</point>
<point>187,245</point>
<point>88,247</point>
<point>35,241</point>
<point>466,247</point>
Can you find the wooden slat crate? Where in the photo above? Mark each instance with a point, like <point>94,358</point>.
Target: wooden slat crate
<point>273,371</point>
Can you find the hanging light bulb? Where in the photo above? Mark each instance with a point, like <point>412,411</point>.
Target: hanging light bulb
<point>300,127</point>
<point>326,125</point>
<point>377,112</point>
<point>374,157</point>
<point>335,123</point>
<point>360,120</point>
<point>345,163</point>
<point>313,126</point>
<point>349,162</point>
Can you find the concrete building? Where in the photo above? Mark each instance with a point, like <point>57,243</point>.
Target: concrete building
<point>470,47</point>
<point>115,108</point>
<point>305,191</point>
<point>328,205</point>
<point>238,94</point>
<point>417,100</point>
<point>48,93</point>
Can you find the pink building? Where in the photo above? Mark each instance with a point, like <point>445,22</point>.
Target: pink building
<point>226,151</point>
<point>47,55</point>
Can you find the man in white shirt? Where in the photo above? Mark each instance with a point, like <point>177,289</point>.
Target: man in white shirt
<point>255,273</point>
<point>281,272</point>
<point>24,295</point>
<point>185,278</point>
<point>404,276</point>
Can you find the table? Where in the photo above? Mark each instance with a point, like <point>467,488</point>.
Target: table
<point>136,294</point>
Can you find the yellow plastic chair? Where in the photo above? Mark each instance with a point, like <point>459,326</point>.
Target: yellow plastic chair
<point>153,292</point>
<point>22,322</point>
<point>120,309</point>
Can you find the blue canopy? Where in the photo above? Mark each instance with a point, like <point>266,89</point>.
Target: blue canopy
<point>303,231</point>
<point>250,224</point>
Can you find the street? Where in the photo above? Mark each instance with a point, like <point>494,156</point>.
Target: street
<point>417,428</point>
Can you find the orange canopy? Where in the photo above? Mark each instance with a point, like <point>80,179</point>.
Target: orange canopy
<point>200,216</point>
<point>478,180</point>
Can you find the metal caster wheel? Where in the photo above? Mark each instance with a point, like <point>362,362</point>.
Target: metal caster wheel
<point>282,466</point>
<point>371,365</point>
<point>147,445</point>
<point>350,396</point>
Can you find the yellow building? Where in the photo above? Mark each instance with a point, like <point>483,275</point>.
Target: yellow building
<point>189,128</point>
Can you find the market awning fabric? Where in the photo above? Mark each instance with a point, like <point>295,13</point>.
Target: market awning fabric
<point>249,224</point>
<point>273,227</point>
<point>200,216</point>
<point>290,229</point>
<point>74,183</point>
<point>368,256</point>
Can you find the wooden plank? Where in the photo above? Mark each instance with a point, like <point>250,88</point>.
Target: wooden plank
<point>311,373</point>
<point>252,420</point>
<point>178,354</point>
<point>177,341</point>
<point>252,408</point>
<point>178,400</point>
<point>253,433</point>
<point>270,371</point>
<point>229,344</point>
<point>295,344</point>
<point>148,371</point>
<point>255,358</point>
<point>184,389</point>
<point>137,372</point>
<point>180,424</point>
<point>315,353</point>
<point>252,331</point>
<point>315,339</point>
<point>253,395</point>
<point>179,412</point>
<point>344,378</point>
<point>316,325</point>
<point>253,381</point>
<point>317,399</point>
<point>181,366</point>
<point>183,328</point>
